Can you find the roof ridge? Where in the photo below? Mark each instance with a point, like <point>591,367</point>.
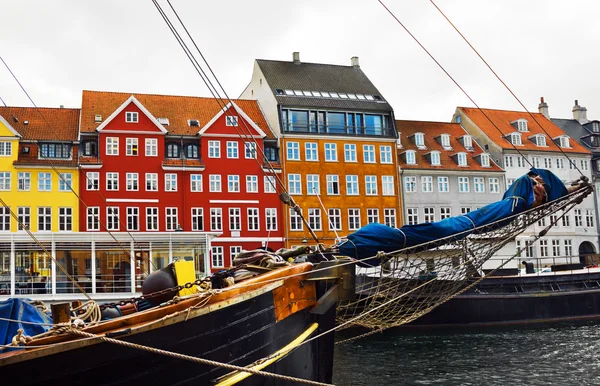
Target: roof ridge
<point>504,110</point>
<point>317,64</point>
<point>163,95</point>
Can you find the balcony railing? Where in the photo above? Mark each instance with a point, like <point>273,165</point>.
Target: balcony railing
<point>337,129</point>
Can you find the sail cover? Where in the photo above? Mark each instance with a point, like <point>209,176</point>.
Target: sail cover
<point>15,310</point>
<point>374,238</point>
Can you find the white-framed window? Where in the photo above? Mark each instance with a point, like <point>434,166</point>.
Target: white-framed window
<point>250,150</point>
<point>314,218</point>
<point>568,247</point>
<point>509,182</point>
<point>353,218</point>
<point>389,217</point>
<point>234,251</point>
<point>419,140</point>
<point>217,257</point>
<point>4,218</point>
<point>112,181</point>
<point>335,219</point>
<point>547,162</point>
<point>540,140</point>
<point>294,184</point>
<point>197,219</point>
<point>465,209</point>
<point>479,184</point>
<point>443,184</point>
<point>231,120</point>
<point>555,247</point>
<point>112,218</point>
<point>151,147</point>
<point>216,219</point>
<point>151,218</point>
<point>44,182</point>
<point>494,184</point>
<point>312,184</point>
<point>410,184</point>
<point>445,212</point>
<point>214,183</point>
<point>271,219</point>
<point>535,161</point>
<point>295,221</point>
<point>387,186</point>
<point>5,178</point>
<point>484,158</point>
<point>132,181</point>
<point>5,148</point>
<point>253,219</point>
<point>520,162</point>
<point>372,215</point>
<point>445,140</point>
<point>463,184</point>
<point>131,146</point>
<point>427,184</point>
<point>589,218</point>
<point>411,157</point>
<point>331,152</point>
<point>352,185</point>
<point>133,218</point>
<point>235,219</point>
<point>412,216</point>
<point>369,154</point>
<point>565,143</point>
<point>350,152</point>
<point>251,184</point>
<point>170,182</point>
<point>24,181</point>
<point>270,186</point>
<point>428,214</point>
<point>522,125</point>
<point>24,218</point>
<point>65,182</point>
<point>131,117</point>
<point>214,149</point>
<point>233,183</point>
<point>584,164</point>
<point>112,146</point>
<point>196,182</point>
<point>44,219</point>
<point>560,163</point>
<point>293,151</point>
<point>65,219</point>
<point>544,248</point>
<point>435,158</point>
<point>578,218</point>
<point>515,139</point>
<point>371,185</point>
<point>311,151</point>
<point>93,218</point>
<point>385,154</point>
<point>333,184</point>
<point>152,182</point>
<point>467,142</point>
<point>232,149</point>
<point>462,159</point>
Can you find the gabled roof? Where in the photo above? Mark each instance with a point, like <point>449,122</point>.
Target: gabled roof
<point>178,109</point>
<point>433,130</point>
<point>43,124</point>
<point>573,128</point>
<point>242,114</point>
<point>502,120</point>
<point>320,77</point>
<point>5,123</point>
<point>130,100</point>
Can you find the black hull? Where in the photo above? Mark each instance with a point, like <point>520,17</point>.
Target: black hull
<point>238,334</point>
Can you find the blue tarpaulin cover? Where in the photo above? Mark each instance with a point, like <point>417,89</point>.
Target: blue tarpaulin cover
<point>373,238</point>
<point>20,309</point>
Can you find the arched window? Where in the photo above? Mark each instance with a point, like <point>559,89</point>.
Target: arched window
<point>90,148</point>
<point>172,150</point>
<point>192,151</point>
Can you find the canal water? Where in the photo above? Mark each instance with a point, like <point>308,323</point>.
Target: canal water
<point>563,354</point>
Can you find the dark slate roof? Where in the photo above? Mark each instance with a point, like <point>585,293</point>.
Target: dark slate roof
<point>575,130</point>
<point>321,77</point>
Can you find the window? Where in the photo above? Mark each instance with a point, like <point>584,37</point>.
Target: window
<point>197,219</point>
<point>214,149</point>
<point>55,150</point>
<point>234,251</point>
<point>427,184</point>
<point>522,125</point>
<point>217,257</point>
<point>311,152</point>
<point>467,142</point>
<point>314,218</point>
<point>445,140</point>
<point>294,184</point>
<point>251,184</point>
<point>353,219</point>
<point>233,183</point>
<point>131,117</point>
<point>389,217</point>
<point>536,162</point>
<point>515,139</point>
<point>494,185</point>
<point>589,218</point>
<point>151,182</point>
<point>479,184</point>
<point>192,151</point>
<point>547,162</point>
<point>350,152</point>
<point>235,219</point>
<point>485,160</point>
<point>463,184</point>
<point>464,210</point>
<point>112,181</point>
<point>133,219</point>
<point>435,158</point>
<point>231,120</point>
<point>445,212</point>
<point>295,221</point>
<point>509,182</point>
<point>253,219</point>
<point>428,214</point>
<point>293,151</point>
<point>132,181</point>
<point>131,146</point>
<point>112,218</point>
<point>151,147</point>
<point>578,218</point>
<point>540,140</point>
<point>372,215</point>
<point>5,180</point>
<point>443,184</point>
<point>23,217</point>
<point>410,184</point>
<point>214,183</point>
<point>555,247</point>
<point>250,150</point>
<point>112,146</point>
<point>596,127</point>
<point>24,181</point>
<point>270,186</point>
<point>333,184</point>
<point>520,162</point>
<point>412,216</point>
<point>44,182</point>
<point>385,154</point>
<point>5,148</point>
<point>44,218</point>
<point>173,150</point>
<point>232,149</point>
<point>331,152</point>
<point>271,219</point>
<point>369,154</point>
<point>371,185</point>
<point>352,185</point>
<point>568,247</point>
<point>93,218</point>
<point>584,164</point>
<point>312,184</point>
<point>335,219</point>
<point>419,140</point>
<point>387,185</point>
<point>462,159</point>
<point>151,219</point>
<point>65,182</point>
<point>216,219</point>
<point>65,219</point>
<point>564,142</point>
<point>543,248</point>
<point>410,157</point>
<point>4,219</point>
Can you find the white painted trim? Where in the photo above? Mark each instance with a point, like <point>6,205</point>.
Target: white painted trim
<point>132,200</point>
<point>123,106</point>
<point>9,127</point>
<point>183,168</point>
<point>325,137</point>
<point>246,239</point>
<point>231,136</point>
<point>45,167</point>
<point>234,201</point>
<point>90,166</point>
<point>132,132</point>
<point>240,112</point>
<point>276,171</point>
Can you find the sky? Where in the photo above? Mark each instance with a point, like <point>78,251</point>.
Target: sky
<point>539,48</point>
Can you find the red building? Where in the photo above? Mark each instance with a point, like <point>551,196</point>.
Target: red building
<point>154,163</point>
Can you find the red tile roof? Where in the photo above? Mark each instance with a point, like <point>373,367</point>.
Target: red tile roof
<point>503,118</point>
<point>431,130</point>
<point>44,124</point>
<point>178,109</point>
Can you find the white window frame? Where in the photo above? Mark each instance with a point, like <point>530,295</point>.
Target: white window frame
<point>131,117</point>
<point>215,184</point>
<point>133,218</point>
<point>232,150</point>
<point>151,178</point>
<point>151,149</point>
<point>369,156</point>
<point>311,151</point>
<point>112,181</point>
<point>214,149</point>
<point>65,182</point>
<point>292,151</point>
<point>44,182</point>
<point>352,188</point>
<point>385,154</point>
<point>443,184</point>
<point>131,147</point>
<point>331,152</point>
<point>197,219</point>
<point>112,146</point>
<point>233,183</point>
<point>388,186</point>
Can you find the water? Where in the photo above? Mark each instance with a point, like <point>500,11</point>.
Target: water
<point>549,355</point>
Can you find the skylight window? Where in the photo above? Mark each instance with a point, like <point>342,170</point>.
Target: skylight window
<point>343,95</point>
<point>352,96</point>
<point>325,94</point>
<point>370,97</point>
<point>361,96</point>
<point>288,92</point>
<point>298,92</point>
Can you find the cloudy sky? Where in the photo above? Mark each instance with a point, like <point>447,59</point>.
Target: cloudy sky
<point>539,48</point>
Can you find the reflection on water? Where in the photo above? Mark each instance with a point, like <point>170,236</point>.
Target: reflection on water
<point>549,355</point>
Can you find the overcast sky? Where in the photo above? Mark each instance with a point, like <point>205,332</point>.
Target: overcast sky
<point>539,48</point>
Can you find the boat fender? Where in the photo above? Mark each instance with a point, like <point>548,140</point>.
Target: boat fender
<point>157,281</point>
<point>110,313</point>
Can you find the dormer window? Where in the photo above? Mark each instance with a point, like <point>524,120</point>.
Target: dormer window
<point>595,141</point>
<point>172,150</point>
<point>461,159</point>
<point>520,124</point>
<point>596,127</point>
<point>192,151</point>
<point>420,140</point>
<point>515,139</point>
<point>411,157</point>
<point>540,140</point>
<point>90,148</point>
<point>445,141</point>
<point>564,142</point>
<point>435,158</point>
<point>467,142</point>
<point>231,120</point>
<point>131,117</point>
<point>484,160</point>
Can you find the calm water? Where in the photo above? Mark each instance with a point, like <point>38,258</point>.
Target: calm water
<point>550,355</point>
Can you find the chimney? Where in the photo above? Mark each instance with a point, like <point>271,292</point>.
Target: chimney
<point>354,62</point>
<point>543,108</point>
<point>296,57</point>
<point>580,113</point>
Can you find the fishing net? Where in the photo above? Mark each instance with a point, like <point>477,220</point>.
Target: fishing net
<point>412,281</point>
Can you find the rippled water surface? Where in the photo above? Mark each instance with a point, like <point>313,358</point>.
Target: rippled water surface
<point>550,355</point>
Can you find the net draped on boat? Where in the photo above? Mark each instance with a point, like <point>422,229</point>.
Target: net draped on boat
<point>412,281</point>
